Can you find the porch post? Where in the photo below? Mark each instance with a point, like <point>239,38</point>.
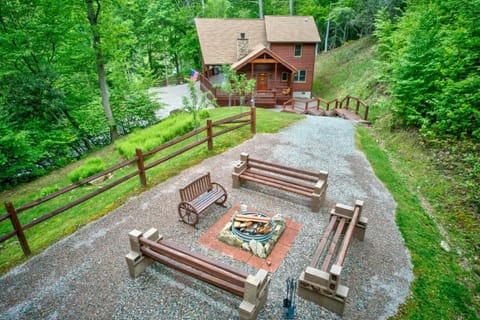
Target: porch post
<point>275,77</point>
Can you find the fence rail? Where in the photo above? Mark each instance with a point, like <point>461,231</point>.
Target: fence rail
<point>345,104</point>
<point>12,212</point>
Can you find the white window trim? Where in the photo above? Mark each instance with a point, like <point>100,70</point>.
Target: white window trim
<point>301,50</point>
<point>296,79</point>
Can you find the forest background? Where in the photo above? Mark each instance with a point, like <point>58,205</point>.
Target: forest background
<point>55,54</point>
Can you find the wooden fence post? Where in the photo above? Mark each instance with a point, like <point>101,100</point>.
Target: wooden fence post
<point>253,120</point>
<point>210,134</point>
<point>18,228</point>
<point>366,112</point>
<point>141,168</point>
<point>357,106</point>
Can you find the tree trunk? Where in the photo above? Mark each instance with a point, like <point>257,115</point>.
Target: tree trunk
<point>92,16</point>
<point>328,27</point>
<point>260,9</point>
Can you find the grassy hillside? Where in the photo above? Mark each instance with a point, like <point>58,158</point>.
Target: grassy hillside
<point>440,227</point>
<point>42,235</point>
<point>350,70</point>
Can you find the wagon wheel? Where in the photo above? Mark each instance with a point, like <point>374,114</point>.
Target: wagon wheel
<point>222,199</point>
<point>187,213</point>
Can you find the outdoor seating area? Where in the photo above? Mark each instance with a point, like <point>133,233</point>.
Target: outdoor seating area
<point>89,274</point>
<point>257,233</point>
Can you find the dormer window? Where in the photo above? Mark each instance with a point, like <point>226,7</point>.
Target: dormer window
<point>298,50</point>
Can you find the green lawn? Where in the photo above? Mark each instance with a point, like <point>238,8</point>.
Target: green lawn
<point>42,235</point>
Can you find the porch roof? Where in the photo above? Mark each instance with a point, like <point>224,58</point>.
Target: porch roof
<point>258,51</point>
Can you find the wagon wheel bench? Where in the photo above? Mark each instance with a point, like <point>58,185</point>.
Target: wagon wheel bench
<point>198,196</point>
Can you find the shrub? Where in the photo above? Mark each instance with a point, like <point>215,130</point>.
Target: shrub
<point>154,136</point>
<point>48,190</point>
<point>91,167</point>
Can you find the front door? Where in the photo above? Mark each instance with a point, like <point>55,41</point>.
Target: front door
<point>262,80</point>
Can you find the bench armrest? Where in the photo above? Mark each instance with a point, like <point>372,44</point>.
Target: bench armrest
<point>218,187</point>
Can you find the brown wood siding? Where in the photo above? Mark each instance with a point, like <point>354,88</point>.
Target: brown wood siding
<point>305,62</point>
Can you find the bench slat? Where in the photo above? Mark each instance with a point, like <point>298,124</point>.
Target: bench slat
<point>173,245</point>
<point>348,236</point>
<point>218,282</point>
<point>196,188</point>
<point>305,172</point>
<point>278,180</point>
<point>284,171</point>
<point>323,242</point>
<point>205,201</point>
<point>333,244</point>
<point>303,193</point>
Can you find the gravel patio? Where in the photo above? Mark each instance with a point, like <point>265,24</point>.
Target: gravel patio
<point>85,276</point>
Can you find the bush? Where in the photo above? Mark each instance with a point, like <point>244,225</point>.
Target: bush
<point>154,136</point>
<point>91,167</point>
<point>48,190</point>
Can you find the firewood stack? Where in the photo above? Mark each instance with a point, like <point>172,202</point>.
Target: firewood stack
<point>252,224</point>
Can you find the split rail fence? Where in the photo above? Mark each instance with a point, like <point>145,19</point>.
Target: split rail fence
<point>238,121</point>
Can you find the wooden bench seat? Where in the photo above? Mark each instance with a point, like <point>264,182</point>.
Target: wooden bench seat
<point>149,247</point>
<point>306,183</point>
<point>322,285</point>
<point>198,196</point>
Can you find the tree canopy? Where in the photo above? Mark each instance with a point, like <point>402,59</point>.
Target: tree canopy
<point>430,56</point>
<point>51,108</point>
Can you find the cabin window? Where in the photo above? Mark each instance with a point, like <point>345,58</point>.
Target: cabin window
<point>298,50</point>
<point>301,76</point>
<point>284,76</point>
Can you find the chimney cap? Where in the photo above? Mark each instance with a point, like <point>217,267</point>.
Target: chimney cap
<point>242,35</point>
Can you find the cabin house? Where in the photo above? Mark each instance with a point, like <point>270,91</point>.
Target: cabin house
<point>277,51</point>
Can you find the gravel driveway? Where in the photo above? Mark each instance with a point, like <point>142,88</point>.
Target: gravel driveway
<point>84,276</point>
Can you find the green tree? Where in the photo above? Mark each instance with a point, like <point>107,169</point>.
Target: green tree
<point>93,13</point>
<point>237,83</point>
<point>432,67</point>
<point>195,103</point>
<point>217,9</point>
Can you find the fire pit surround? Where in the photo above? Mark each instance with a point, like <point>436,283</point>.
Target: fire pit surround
<point>253,231</point>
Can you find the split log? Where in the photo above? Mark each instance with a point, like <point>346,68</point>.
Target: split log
<point>247,218</point>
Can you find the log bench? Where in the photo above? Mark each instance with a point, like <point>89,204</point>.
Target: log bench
<point>306,183</point>
<point>148,247</point>
<point>198,196</point>
<point>322,285</point>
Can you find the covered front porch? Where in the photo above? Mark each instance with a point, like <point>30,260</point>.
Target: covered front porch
<point>273,76</point>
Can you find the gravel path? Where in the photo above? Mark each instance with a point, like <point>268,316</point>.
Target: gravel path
<point>84,276</point>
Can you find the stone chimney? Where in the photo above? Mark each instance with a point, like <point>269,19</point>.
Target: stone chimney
<point>242,46</point>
